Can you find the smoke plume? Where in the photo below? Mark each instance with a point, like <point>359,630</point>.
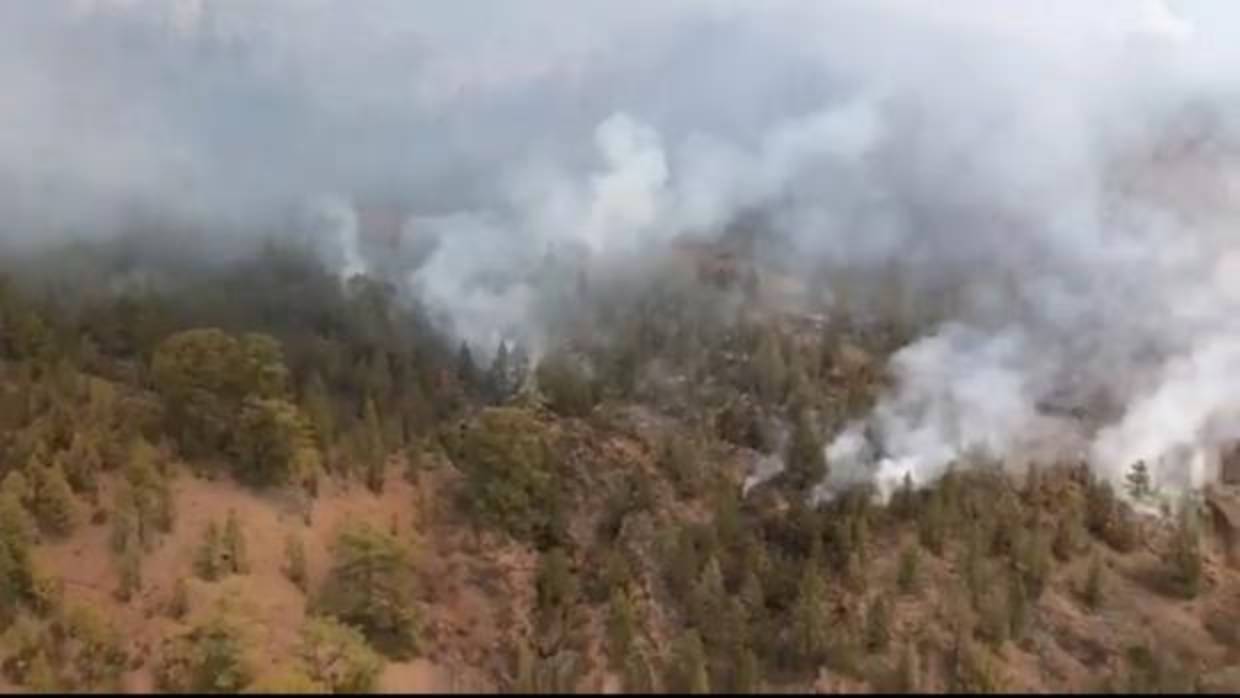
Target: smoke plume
<point>1056,178</point>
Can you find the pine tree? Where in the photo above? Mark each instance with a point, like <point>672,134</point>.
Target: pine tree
<point>770,370</point>
<point>687,671</point>
<point>907,673</point>
<point>518,368</point>
<point>806,463</point>
<point>1186,552</point>
<point>810,619</point>
<point>124,521</point>
<point>746,673</point>
<point>53,500</point>
<point>369,585</point>
<point>374,450</point>
<point>178,603</point>
<point>972,566</point>
<point>497,377</point>
<point>1034,562</point>
<point>904,499</point>
<point>910,563</point>
<point>129,568</point>
<point>707,601</point>
<point>40,676</point>
<point>620,628</point>
<point>466,369</point>
<point>877,620</point>
<point>16,539</point>
<point>752,595</point>
<point>993,621</point>
<point>16,485</point>
<point>296,567</point>
<point>234,545</point>
<point>1093,589</point>
<point>82,462</point>
<point>1068,534</point>
<point>336,656</point>
<point>318,408</point>
<point>1139,481</point>
<point>637,675</point>
<point>1017,607</point>
<point>207,559</point>
<point>556,584</point>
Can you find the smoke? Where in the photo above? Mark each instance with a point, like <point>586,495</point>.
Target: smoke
<point>1056,179</point>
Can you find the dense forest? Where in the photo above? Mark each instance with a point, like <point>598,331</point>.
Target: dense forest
<point>595,502</point>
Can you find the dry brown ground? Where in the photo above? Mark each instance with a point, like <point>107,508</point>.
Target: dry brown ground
<point>465,586</point>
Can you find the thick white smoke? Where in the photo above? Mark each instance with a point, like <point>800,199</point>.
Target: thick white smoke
<point>1067,167</point>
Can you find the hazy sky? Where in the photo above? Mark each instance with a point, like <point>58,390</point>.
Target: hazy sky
<point>1070,163</point>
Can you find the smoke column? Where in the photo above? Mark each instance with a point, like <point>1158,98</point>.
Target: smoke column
<point>1067,168</point>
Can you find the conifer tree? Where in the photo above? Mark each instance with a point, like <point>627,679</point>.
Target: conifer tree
<point>234,545</point>
<point>129,569</point>
<point>466,369</point>
<point>810,619</point>
<point>687,672</point>
<point>878,620</point>
<point>1186,552</point>
<point>373,447</point>
<point>620,628</point>
<point>907,574</point>
<point>53,500</point>
<point>207,559</point>
<point>1094,583</point>
<point>1138,479</point>
<point>295,568</point>
<point>806,463</point>
<point>178,603</point>
<point>770,369</point>
<point>498,375</point>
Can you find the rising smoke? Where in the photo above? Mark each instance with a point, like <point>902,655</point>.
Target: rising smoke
<point>1067,167</point>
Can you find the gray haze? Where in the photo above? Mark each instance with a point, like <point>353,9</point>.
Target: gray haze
<point>1067,167</point>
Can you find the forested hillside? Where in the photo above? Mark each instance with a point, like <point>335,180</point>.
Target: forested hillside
<point>259,477</point>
